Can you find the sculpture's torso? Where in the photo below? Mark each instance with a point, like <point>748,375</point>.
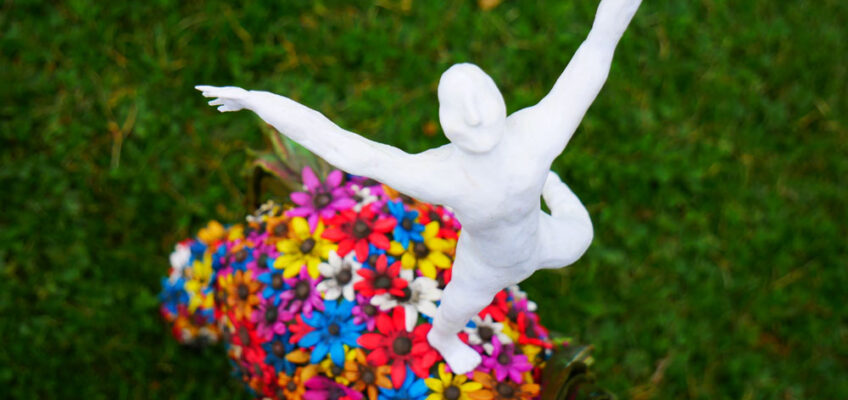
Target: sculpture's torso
<point>499,205</point>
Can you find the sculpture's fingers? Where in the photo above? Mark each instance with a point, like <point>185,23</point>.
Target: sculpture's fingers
<point>205,88</point>
<point>216,102</point>
<point>226,108</point>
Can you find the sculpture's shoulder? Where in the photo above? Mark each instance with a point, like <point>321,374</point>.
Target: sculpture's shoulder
<point>439,154</point>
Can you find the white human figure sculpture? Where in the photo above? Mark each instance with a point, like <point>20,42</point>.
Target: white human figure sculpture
<point>491,174</point>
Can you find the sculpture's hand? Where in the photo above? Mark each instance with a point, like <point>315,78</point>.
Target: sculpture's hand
<point>613,16</point>
<point>228,98</point>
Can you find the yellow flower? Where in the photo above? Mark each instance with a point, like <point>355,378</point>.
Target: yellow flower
<point>202,270</point>
<point>303,248</point>
<point>450,386</point>
<point>427,255</point>
<point>196,297</point>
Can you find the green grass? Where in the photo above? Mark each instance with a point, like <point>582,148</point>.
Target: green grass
<point>713,164</point>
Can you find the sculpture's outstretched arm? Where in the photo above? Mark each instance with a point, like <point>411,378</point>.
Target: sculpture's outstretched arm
<point>412,174</point>
<point>556,117</point>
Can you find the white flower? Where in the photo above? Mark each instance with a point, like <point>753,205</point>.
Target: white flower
<point>339,276</point>
<point>179,261</point>
<point>518,294</point>
<point>421,297</point>
<point>363,197</point>
<point>483,332</point>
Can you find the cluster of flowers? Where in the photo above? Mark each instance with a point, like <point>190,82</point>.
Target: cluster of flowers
<point>333,296</point>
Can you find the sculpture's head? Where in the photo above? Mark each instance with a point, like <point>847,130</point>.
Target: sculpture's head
<point>471,108</point>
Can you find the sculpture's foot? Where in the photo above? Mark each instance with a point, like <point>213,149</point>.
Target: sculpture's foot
<point>460,357</point>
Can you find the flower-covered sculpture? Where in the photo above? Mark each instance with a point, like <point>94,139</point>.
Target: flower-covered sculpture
<point>358,329</point>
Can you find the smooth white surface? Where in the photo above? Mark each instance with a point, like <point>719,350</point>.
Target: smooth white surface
<point>491,174</point>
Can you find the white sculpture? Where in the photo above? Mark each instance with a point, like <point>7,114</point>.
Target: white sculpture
<point>492,173</point>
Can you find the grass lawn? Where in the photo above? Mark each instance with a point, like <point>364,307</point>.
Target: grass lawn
<point>713,163</point>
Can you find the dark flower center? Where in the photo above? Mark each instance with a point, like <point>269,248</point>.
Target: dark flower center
<point>335,393</point>
<point>321,200</point>
<point>271,314</point>
<point>512,314</point>
<point>291,386</point>
<point>279,349</point>
<point>243,291</point>
<point>406,199</point>
<point>382,282</point>
<point>244,336</point>
<point>434,216</point>
<point>486,333</point>
<point>402,345</point>
<point>334,329</point>
<point>370,182</point>
<point>361,229</point>
<point>241,255</point>
<point>302,290</point>
<point>368,376</point>
<point>504,359</point>
<point>406,224</point>
<point>530,330</point>
<point>276,281</point>
<point>262,262</point>
<point>420,250</point>
<point>281,229</point>
<point>369,310</point>
<point>505,390</point>
<point>451,393</point>
<point>357,198</point>
<point>307,245</point>
<point>336,370</point>
<point>344,276</point>
<point>372,259</point>
<point>407,294</point>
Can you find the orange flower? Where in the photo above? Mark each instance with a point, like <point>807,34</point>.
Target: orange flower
<point>365,377</point>
<point>504,390</point>
<point>240,291</point>
<point>292,387</point>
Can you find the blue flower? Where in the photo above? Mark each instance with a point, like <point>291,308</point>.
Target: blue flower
<point>173,294</point>
<point>276,350</point>
<point>242,264</point>
<point>197,248</point>
<point>334,328</point>
<point>411,389</point>
<point>406,227</point>
<point>275,285</point>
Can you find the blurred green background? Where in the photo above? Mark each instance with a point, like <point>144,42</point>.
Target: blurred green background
<point>713,163</point>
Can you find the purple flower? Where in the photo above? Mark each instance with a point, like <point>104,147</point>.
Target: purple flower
<point>322,388</point>
<point>505,362</point>
<point>303,296</point>
<point>364,312</point>
<point>320,199</point>
<point>269,321</point>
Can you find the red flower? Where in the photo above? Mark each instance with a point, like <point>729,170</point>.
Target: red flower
<point>353,231</point>
<point>498,309</point>
<point>299,329</point>
<point>381,280</point>
<point>530,332</point>
<point>394,344</point>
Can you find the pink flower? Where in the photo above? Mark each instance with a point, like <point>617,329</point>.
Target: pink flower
<point>506,362</point>
<point>320,199</point>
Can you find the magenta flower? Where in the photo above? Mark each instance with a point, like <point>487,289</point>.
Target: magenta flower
<point>322,388</point>
<point>506,362</point>
<point>303,296</point>
<point>320,199</point>
<point>364,312</point>
<point>268,319</point>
